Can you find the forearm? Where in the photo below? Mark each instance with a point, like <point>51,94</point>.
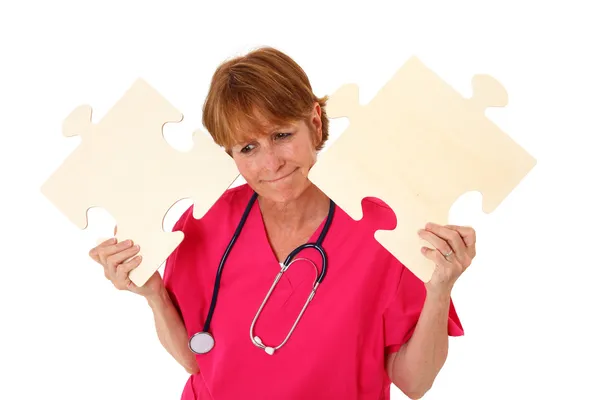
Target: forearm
<point>418,362</point>
<point>171,330</point>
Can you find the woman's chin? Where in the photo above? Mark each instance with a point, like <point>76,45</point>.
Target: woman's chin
<point>283,194</point>
<point>285,190</point>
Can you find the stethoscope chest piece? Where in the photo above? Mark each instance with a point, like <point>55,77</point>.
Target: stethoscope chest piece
<point>201,343</point>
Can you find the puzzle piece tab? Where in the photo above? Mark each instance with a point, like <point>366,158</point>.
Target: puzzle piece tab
<point>418,146</point>
<point>125,166</point>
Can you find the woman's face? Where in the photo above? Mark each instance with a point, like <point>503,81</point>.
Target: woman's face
<point>276,165</point>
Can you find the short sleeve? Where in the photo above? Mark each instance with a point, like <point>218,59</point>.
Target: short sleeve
<point>402,314</point>
<point>170,263</point>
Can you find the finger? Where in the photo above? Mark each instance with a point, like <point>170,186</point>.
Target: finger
<point>107,251</point>
<point>130,265</point>
<point>94,255</point>
<point>434,255</point>
<point>118,258</point>
<point>469,238</point>
<point>94,252</point>
<point>125,268</point>
<point>466,232</point>
<point>113,261</point>
<point>108,242</point>
<point>449,235</point>
<point>436,241</point>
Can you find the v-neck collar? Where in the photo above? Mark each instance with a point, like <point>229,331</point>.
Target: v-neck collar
<point>257,217</point>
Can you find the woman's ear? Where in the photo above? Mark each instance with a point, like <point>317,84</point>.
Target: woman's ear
<point>317,124</point>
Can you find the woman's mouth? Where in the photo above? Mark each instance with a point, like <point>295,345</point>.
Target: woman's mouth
<point>280,178</point>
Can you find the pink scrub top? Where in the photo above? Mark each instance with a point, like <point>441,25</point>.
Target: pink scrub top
<point>366,307</point>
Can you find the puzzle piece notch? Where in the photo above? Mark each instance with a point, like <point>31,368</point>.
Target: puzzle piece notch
<point>125,166</point>
<point>418,146</point>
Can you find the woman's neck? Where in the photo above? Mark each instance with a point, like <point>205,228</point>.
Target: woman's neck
<point>309,208</point>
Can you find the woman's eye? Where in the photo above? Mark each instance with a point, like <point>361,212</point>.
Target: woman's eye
<point>246,149</point>
<point>281,135</point>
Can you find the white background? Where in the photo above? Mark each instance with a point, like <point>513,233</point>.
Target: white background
<point>529,303</point>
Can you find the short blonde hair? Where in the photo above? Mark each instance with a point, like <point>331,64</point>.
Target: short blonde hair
<point>264,81</point>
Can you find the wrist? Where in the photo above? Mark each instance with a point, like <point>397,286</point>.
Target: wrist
<point>439,293</point>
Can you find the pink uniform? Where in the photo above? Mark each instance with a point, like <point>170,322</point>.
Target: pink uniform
<point>366,307</point>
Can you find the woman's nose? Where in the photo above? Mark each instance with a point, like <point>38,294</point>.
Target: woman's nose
<point>272,159</point>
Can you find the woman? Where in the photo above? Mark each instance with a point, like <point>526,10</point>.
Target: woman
<point>370,323</point>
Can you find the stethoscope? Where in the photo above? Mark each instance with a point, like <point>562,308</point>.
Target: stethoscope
<point>203,342</point>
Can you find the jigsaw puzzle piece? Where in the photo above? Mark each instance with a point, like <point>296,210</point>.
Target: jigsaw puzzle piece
<point>125,166</point>
<point>219,173</point>
<point>419,146</point>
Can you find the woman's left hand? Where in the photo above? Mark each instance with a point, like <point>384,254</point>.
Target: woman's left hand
<point>454,249</point>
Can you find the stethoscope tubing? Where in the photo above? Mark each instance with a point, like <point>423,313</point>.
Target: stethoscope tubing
<point>314,245</point>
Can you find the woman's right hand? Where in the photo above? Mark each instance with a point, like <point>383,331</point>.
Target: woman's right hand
<point>115,259</point>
